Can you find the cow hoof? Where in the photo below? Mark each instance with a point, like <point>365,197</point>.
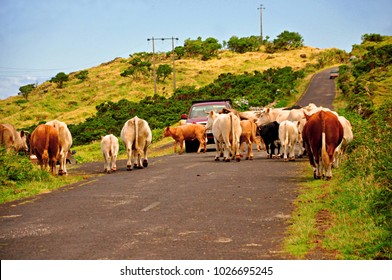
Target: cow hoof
<point>227,160</point>
<point>238,159</point>
<point>145,163</point>
<point>216,159</point>
<point>285,159</point>
<point>328,178</point>
<point>114,169</point>
<point>129,167</point>
<point>268,156</point>
<point>292,159</point>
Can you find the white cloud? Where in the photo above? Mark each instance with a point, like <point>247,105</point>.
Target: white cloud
<point>9,86</point>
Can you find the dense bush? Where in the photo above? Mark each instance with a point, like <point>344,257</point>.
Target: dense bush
<point>285,41</point>
<point>16,169</point>
<point>207,49</point>
<point>356,81</point>
<point>243,45</point>
<point>257,89</point>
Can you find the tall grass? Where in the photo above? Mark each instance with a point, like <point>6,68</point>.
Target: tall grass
<point>359,197</point>
<point>19,178</point>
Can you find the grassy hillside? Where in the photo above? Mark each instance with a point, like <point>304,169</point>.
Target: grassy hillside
<point>77,100</point>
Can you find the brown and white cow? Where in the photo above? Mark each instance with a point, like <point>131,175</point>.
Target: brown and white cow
<point>12,139</point>
<point>226,129</point>
<point>65,142</point>
<point>187,132</point>
<point>44,144</point>
<point>322,133</point>
<point>288,136</point>
<point>248,136</point>
<point>109,148</point>
<point>136,136</point>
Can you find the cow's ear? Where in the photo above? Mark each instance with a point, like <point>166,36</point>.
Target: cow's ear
<point>306,116</point>
<point>22,133</point>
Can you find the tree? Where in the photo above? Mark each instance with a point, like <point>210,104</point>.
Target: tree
<point>289,41</point>
<point>25,90</point>
<point>82,75</point>
<point>285,41</point>
<point>243,45</point>
<point>59,79</point>
<point>163,71</point>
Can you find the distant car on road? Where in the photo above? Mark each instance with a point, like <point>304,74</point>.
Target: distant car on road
<point>334,74</point>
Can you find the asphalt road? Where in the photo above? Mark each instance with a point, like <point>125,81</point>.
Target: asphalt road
<point>180,207</point>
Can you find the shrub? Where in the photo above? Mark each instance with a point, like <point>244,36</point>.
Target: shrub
<point>245,44</point>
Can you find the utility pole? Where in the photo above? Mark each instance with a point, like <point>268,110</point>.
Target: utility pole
<point>153,59</point>
<point>261,8</point>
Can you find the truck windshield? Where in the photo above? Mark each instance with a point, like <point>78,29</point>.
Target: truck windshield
<point>202,111</point>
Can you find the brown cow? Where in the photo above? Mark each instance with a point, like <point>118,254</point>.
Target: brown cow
<point>322,133</point>
<point>187,132</point>
<point>12,139</point>
<point>44,144</point>
<point>248,135</point>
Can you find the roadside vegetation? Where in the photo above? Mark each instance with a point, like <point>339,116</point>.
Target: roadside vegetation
<point>357,204</point>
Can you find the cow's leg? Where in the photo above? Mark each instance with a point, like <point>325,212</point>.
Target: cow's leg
<point>292,152</point>
<point>61,170</point>
<point>278,147</point>
<point>181,147</point>
<point>217,149</point>
<point>145,159</point>
<point>284,152</point>
<point>129,156</point>
<point>250,151</point>
<point>268,149</point>
<point>237,150</point>
<point>113,164</point>
<point>200,146</point>
<point>106,167</point>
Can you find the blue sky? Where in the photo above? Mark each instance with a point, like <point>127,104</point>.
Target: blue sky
<point>41,38</point>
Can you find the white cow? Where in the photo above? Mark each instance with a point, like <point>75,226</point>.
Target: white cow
<point>288,136</point>
<point>65,143</point>
<point>136,136</point>
<point>347,138</point>
<point>109,148</point>
<point>226,129</point>
<point>269,115</point>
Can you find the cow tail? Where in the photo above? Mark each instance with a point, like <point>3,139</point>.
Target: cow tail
<point>137,148</point>
<point>324,154</point>
<point>286,138</point>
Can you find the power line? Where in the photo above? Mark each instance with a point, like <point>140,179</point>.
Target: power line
<point>261,8</point>
<point>153,58</point>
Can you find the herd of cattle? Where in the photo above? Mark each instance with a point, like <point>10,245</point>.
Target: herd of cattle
<point>322,133</point>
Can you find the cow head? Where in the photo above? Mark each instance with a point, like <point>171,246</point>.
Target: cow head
<point>264,117</point>
<point>167,132</point>
<point>210,119</point>
<point>25,140</point>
